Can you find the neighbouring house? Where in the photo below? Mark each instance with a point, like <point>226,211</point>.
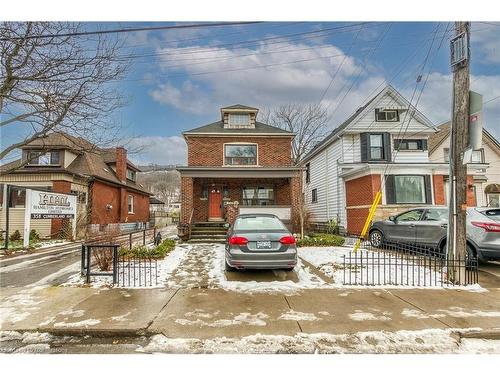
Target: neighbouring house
<point>156,205</point>
<point>174,207</point>
<point>483,170</point>
<point>344,172</point>
<point>238,165</point>
<point>103,179</point>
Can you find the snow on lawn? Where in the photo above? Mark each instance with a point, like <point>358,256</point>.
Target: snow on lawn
<point>422,341</point>
<point>394,272</point>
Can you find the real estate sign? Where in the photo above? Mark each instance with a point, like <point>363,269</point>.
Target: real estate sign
<point>48,205</point>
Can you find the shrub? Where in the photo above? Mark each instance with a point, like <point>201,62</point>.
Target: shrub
<point>1,236</point>
<point>321,239</point>
<point>104,258</point>
<point>34,236</point>
<point>16,236</point>
<point>141,251</point>
<point>333,227</point>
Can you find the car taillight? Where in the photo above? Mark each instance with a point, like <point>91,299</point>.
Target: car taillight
<point>488,227</point>
<point>287,240</point>
<point>236,240</point>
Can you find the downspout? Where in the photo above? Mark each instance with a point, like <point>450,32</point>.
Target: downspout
<point>326,186</point>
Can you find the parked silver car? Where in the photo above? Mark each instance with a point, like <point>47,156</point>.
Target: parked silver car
<point>426,227</point>
<point>259,241</point>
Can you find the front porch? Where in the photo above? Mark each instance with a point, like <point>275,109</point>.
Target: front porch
<point>220,199</point>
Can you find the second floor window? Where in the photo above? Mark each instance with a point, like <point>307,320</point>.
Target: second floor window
<point>376,147</point>
<point>40,158</point>
<point>130,204</point>
<point>130,175</point>
<point>240,154</point>
<point>410,144</point>
<point>388,115</point>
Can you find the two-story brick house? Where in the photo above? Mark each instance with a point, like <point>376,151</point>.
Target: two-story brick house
<point>103,179</point>
<point>238,161</point>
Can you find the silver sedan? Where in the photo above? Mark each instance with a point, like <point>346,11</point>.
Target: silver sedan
<point>259,241</point>
<point>427,227</point>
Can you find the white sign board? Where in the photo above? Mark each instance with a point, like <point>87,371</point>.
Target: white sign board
<point>48,205</point>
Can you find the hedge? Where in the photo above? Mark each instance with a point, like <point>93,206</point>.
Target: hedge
<point>321,239</point>
<point>141,251</point>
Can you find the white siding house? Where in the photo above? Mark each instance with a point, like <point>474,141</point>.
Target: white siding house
<point>345,170</point>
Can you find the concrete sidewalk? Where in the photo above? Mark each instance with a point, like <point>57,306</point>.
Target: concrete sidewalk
<point>210,313</point>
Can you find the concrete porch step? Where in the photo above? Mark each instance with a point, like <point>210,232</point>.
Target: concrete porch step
<point>217,224</point>
<point>208,230</point>
<point>208,236</point>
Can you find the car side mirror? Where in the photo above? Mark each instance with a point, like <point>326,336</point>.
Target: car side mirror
<point>227,225</point>
<point>392,218</point>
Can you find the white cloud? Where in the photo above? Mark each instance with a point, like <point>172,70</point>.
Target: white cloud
<point>277,83</point>
<point>158,150</point>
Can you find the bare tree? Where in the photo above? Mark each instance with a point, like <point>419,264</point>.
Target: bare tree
<point>164,184</point>
<point>308,121</point>
<point>52,81</point>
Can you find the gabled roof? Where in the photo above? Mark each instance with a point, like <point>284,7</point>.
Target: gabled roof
<point>359,113</point>
<point>435,140</point>
<point>61,140</point>
<point>218,128</point>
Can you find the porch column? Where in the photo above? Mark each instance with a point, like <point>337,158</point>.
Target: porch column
<point>295,201</point>
<point>186,199</point>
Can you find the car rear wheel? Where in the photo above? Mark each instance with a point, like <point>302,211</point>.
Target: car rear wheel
<point>376,238</point>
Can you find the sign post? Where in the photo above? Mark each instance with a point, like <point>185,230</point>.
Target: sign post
<point>48,205</point>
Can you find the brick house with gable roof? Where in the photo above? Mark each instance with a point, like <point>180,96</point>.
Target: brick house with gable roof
<point>238,161</point>
<point>103,179</point>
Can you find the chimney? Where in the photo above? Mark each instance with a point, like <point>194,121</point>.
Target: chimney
<point>121,163</point>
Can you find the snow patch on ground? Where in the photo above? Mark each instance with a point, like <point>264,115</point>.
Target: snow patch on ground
<point>83,323</point>
<point>240,319</point>
<point>376,314</point>
<point>423,341</point>
<point>297,315</point>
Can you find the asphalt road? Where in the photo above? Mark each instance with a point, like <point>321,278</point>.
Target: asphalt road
<point>48,266</point>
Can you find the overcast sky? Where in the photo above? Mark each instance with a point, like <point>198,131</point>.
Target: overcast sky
<point>179,79</point>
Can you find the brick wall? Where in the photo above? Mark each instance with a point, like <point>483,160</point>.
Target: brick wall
<point>471,199</point>
<point>439,193</point>
<point>103,194</point>
<point>360,192</point>
<point>209,151</point>
<point>186,199</point>
<point>58,224</point>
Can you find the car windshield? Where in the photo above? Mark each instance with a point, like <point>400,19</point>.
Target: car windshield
<point>258,223</point>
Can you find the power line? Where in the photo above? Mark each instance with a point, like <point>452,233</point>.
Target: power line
<point>135,29</point>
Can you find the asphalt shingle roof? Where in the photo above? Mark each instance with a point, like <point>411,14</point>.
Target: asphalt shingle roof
<point>218,127</point>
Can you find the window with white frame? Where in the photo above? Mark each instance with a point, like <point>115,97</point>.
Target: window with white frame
<point>43,158</point>
<point>493,199</point>
<point>376,147</point>
<point>239,120</point>
<point>130,175</point>
<point>409,189</point>
<point>477,157</point>
<point>240,154</point>
<point>387,115</point>
<point>258,195</point>
<point>130,204</point>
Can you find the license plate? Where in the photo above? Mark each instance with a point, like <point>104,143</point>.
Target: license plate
<point>263,244</point>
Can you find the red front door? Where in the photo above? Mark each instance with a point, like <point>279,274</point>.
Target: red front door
<point>215,204</point>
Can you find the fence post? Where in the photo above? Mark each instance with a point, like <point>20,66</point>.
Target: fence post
<point>89,249</point>
<point>144,237</point>
<point>130,241</point>
<point>82,263</point>
<point>115,263</point>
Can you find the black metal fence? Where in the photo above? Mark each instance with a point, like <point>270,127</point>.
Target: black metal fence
<point>136,271</point>
<point>407,265</point>
<point>123,269</point>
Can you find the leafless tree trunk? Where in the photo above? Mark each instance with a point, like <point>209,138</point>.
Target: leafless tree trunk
<point>52,82</point>
<point>309,122</point>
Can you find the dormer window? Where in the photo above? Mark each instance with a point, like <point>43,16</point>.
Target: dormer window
<point>239,120</point>
<point>131,175</point>
<point>43,158</point>
<point>386,115</point>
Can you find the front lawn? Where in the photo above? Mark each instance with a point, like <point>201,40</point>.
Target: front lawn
<point>321,239</point>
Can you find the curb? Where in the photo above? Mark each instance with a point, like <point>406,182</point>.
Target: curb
<point>92,332</point>
<point>491,334</point>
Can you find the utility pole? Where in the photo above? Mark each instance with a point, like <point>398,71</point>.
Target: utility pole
<point>460,57</point>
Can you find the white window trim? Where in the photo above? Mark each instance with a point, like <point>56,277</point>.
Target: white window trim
<point>396,119</point>
<point>239,144</point>
<point>128,204</point>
